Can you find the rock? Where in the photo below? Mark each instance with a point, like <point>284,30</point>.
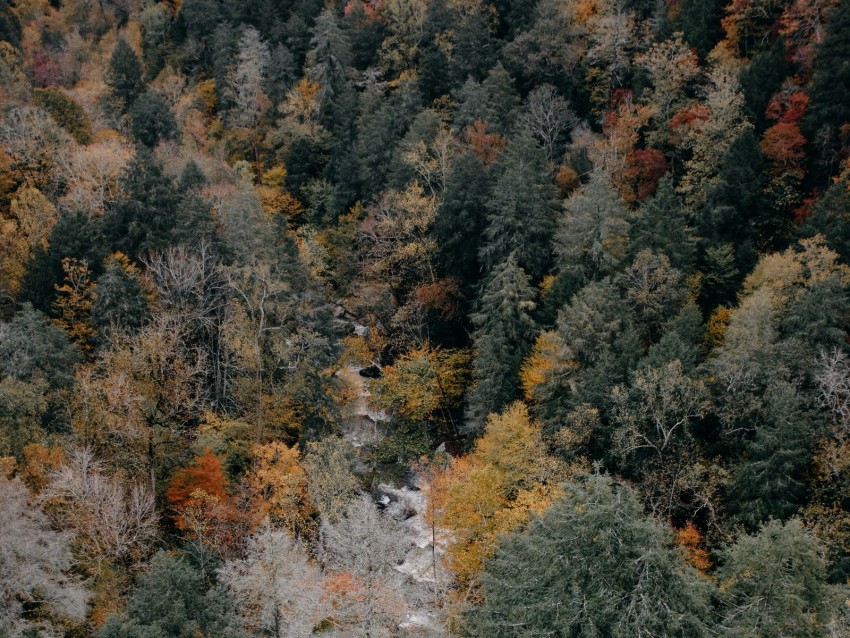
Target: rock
<point>372,372</point>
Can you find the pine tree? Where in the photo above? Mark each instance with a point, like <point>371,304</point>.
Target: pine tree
<point>521,210</point>
<point>662,226</point>
<point>124,76</point>
<point>775,585</point>
<point>504,333</point>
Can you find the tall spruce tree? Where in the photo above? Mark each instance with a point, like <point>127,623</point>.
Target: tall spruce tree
<point>521,209</point>
<point>124,76</point>
<point>504,332</point>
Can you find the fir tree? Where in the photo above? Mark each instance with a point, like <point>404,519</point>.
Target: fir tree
<point>504,333</point>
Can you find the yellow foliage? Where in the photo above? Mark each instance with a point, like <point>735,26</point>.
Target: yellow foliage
<point>207,96</point>
<point>74,303</point>
<point>278,485</point>
<point>715,332</point>
<point>536,368</point>
<point>424,381</point>
<point>497,488</point>
<point>39,462</point>
<point>31,218</point>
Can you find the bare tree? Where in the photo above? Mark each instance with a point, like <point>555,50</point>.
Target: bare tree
<point>113,522</point>
<point>34,561</point>
<point>276,587</point>
<point>548,116</point>
<point>834,384</point>
<point>361,552</point>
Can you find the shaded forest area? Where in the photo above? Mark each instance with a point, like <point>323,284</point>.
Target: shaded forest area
<point>424,318</point>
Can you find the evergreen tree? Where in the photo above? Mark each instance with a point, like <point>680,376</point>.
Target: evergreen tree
<point>124,76</point>
<point>775,585</point>
<point>521,209</point>
<point>767,482</point>
<point>592,565</point>
<point>460,221</point>
<point>120,302</point>
<point>829,108</point>
<point>504,332</point>
<point>661,225</point>
<point>592,235</point>
<point>144,219</point>
<point>699,20</point>
<point>170,602</point>
<point>152,120</point>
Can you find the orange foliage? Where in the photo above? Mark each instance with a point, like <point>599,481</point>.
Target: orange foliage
<point>443,297</point>
<point>205,476</point>
<point>486,146</point>
<point>39,462</point>
<point>644,169</point>
<point>278,487</point>
<point>785,145</point>
<point>567,180</point>
<point>690,539</point>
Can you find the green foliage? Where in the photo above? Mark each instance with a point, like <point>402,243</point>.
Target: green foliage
<point>774,584</point>
<point>65,111</point>
<point>504,333</point>
<point>151,119</point>
<point>591,565</point>
<point>33,349</point>
<point>124,76</point>
<point>521,209</point>
<point>171,601</point>
<point>144,219</point>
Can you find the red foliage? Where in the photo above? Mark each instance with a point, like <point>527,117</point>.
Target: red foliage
<point>787,106</point>
<point>47,69</point>
<point>443,297</point>
<point>644,169</point>
<point>785,145</point>
<point>486,146</point>
<point>205,475</point>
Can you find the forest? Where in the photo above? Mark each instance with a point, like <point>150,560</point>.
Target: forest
<point>378,318</point>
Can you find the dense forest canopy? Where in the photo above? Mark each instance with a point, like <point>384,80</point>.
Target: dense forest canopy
<point>425,318</point>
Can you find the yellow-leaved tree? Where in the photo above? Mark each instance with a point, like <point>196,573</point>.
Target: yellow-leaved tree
<point>507,478</point>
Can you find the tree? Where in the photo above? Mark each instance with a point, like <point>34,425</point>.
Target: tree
<point>143,219</point>
<point>35,562</point>
<point>521,209</point>
<point>114,523</point>
<point>151,119</point>
<point>124,75</point>
<point>775,584</point>
<point>549,117</point>
<point>662,226</point>
<point>65,111</point>
<point>508,477</point>
<point>329,464</point>
<point>170,601</point>
<point>33,348</point>
<point>121,303</point>
<point>592,234</point>
<point>656,417</point>
<point>276,588</point>
<point>504,333</point>
<point>828,110</point>
<point>591,565</point>
<point>278,484</point>
<point>362,550</point>
<point>245,79</point>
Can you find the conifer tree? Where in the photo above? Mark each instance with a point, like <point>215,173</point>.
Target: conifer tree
<point>592,565</point>
<point>124,76</point>
<point>521,210</point>
<point>504,333</point>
